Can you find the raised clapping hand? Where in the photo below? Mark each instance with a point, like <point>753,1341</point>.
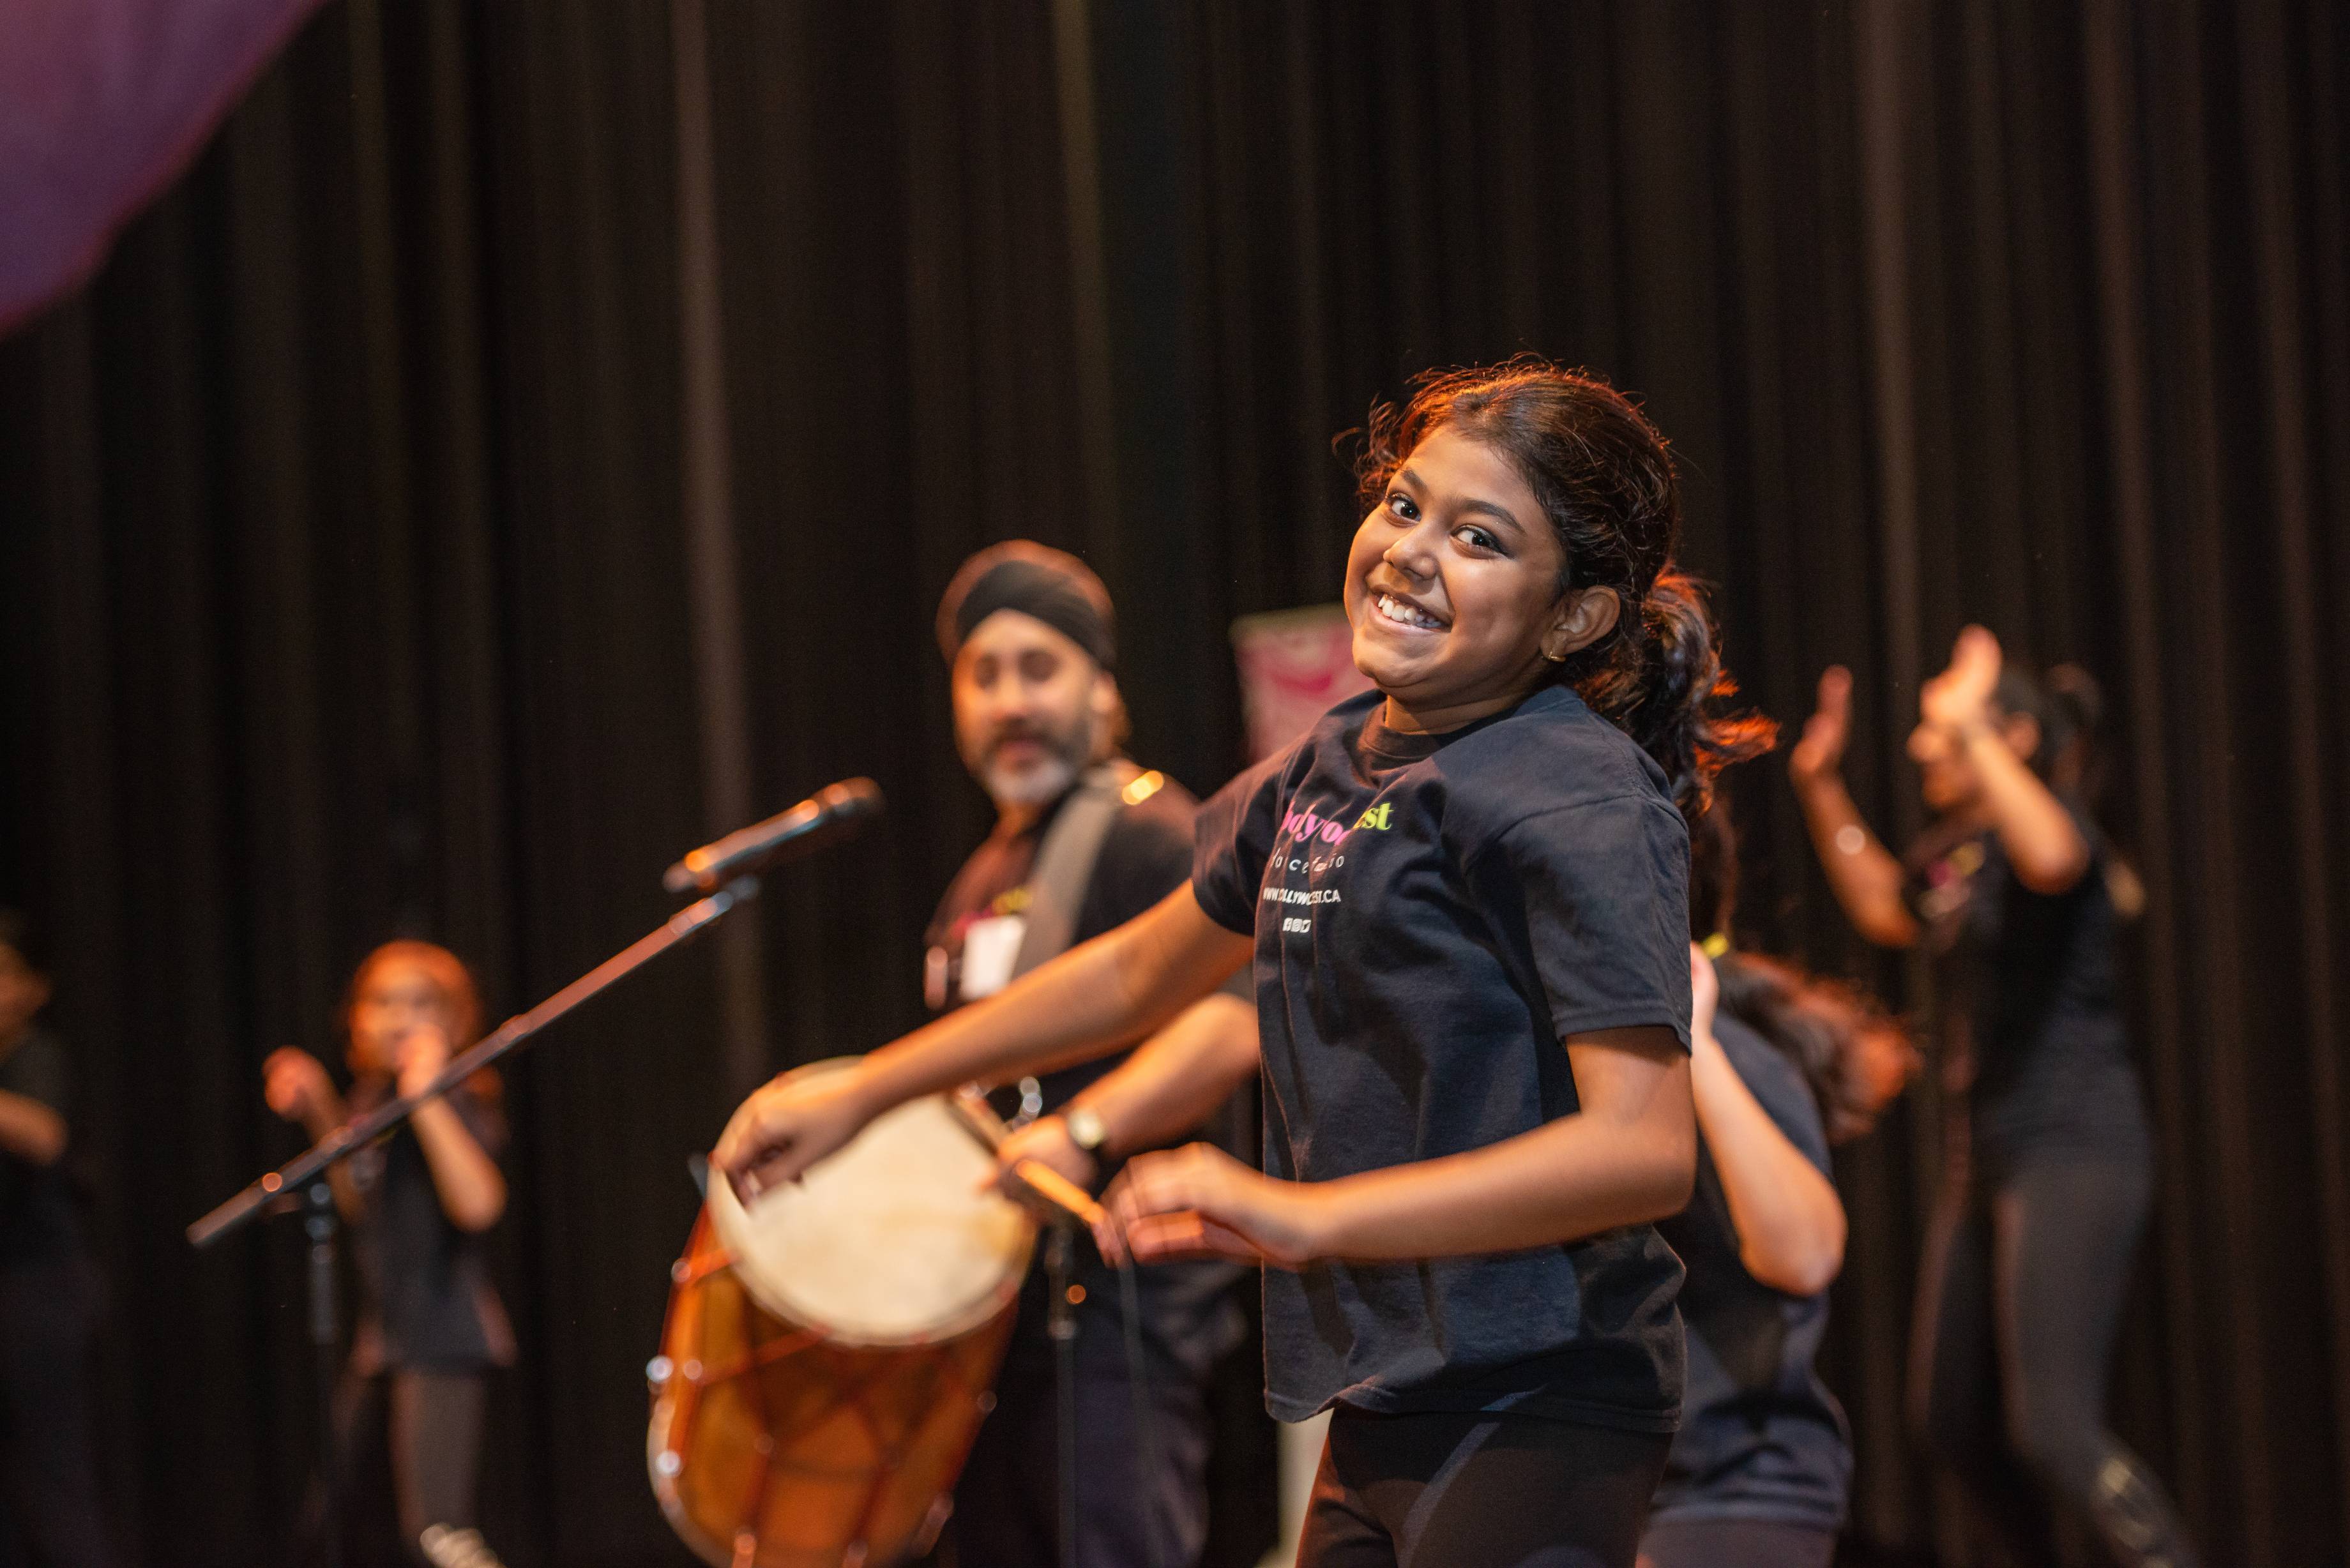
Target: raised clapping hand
<point>296,1086</point>
<point>786,1126</point>
<point>1819,753</point>
<point>1959,699</point>
<point>1200,1202</point>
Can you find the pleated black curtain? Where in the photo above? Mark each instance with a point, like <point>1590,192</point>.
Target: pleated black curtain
<point>359,564</point>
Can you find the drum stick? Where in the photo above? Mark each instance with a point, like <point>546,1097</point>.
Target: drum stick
<point>1059,1191</point>
<point>978,1119</point>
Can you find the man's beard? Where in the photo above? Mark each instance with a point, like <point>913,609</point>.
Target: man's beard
<point>1044,779</point>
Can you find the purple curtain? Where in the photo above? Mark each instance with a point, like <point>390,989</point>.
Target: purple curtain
<point>102,103</point>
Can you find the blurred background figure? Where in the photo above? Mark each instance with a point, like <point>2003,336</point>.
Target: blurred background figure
<point>49,1290</point>
<point>2049,1169</point>
<point>430,1326</point>
<point>1782,1065</point>
<point>1084,840</point>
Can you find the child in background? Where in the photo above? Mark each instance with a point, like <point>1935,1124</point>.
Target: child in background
<point>1782,1065</point>
<point>417,1200</point>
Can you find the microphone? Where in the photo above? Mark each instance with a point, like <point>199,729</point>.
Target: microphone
<point>832,813</point>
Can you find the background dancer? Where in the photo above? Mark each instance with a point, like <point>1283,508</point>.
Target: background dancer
<point>430,1326</point>
<point>1473,1023</point>
<point>1783,1065</point>
<point>2050,1167</point>
<point>49,1287</point>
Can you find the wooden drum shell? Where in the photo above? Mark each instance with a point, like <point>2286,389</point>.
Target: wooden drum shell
<point>775,1446</point>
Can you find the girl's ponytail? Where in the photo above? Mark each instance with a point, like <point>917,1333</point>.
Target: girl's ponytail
<point>1855,1057</point>
<point>1667,691</point>
<point>2074,715</point>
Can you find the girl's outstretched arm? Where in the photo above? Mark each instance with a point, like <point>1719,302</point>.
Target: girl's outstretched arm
<point>1627,1157</point>
<point>466,1179</point>
<point>1091,1001</point>
<point>30,1130</point>
<point>1172,1083</point>
<point>1862,873</point>
<point>297,1088</point>
<point>2043,842</point>
<point>1789,1222</point>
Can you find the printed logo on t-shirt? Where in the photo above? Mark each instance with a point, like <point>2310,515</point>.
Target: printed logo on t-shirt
<point>1312,844</point>
<point>1302,829</point>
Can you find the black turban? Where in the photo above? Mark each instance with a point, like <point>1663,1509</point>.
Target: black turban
<point>1051,585</point>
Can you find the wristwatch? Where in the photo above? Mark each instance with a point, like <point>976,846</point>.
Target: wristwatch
<point>1085,1129</point>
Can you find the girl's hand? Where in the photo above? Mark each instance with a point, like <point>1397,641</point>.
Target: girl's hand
<point>1046,1141</point>
<point>1820,753</point>
<point>786,1126</point>
<point>1705,995</point>
<point>1200,1202</point>
<point>296,1086</point>
<point>1959,699</point>
<point>422,1055</point>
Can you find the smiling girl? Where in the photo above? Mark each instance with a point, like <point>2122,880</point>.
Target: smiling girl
<point>1465,895</point>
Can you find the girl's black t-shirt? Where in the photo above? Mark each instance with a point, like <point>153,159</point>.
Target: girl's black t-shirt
<point>1433,916</point>
<point>1761,1437</point>
<point>2028,996</point>
<point>427,1303</point>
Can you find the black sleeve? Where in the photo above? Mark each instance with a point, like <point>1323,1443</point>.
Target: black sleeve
<point>1232,838</point>
<point>1145,855</point>
<point>1603,889</point>
<point>36,1070</point>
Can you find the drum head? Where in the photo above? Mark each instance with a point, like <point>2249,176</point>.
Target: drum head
<point>892,1240</point>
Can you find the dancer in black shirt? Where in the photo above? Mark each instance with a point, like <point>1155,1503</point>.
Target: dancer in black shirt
<point>49,1291</point>
<point>1464,899</point>
<point>1784,1065</point>
<point>2012,891</point>
<point>419,1200</point>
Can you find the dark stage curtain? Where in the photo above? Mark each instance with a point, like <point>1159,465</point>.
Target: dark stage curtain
<point>494,463</point>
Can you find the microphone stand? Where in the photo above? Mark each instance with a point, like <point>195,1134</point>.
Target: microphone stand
<point>1075,1207</point>
<point>302,1184</point>
<point>1061,1328</point>
<point>318,1218</point>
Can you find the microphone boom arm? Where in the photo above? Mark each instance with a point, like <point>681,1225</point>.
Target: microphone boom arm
<point>347,1139</point>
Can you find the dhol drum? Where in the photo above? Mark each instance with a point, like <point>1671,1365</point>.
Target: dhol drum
<point>830,1350</point>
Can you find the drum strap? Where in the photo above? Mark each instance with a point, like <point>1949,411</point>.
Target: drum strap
<point>1056,892</point>
<point>1065,861</point>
